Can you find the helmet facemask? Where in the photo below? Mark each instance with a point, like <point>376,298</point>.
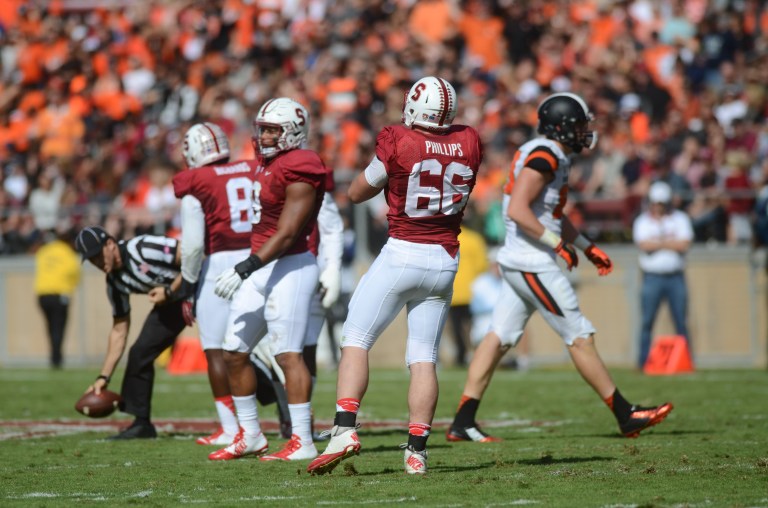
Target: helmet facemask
<point>287,115</point>
<point>584,138</point>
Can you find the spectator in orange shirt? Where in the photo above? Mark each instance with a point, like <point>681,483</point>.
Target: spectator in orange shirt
<point>433,21</point>
<point>60,130</point>
<point>483,34</point>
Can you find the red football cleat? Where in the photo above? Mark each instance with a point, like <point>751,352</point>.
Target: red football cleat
<point>218,438</point>
<point>294,449</point>
<point>243,445</point>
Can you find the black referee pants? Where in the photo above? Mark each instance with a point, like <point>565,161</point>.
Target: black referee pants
<point>55,308</point>
<point>163,324</point>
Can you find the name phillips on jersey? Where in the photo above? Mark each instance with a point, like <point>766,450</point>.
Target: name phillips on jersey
<point>449,149</point>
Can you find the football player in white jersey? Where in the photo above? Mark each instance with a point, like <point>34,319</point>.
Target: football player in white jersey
<point>537,233</point>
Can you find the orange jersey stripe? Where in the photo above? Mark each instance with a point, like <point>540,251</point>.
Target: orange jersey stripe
<point>541,293</point>
<point>511,178</point>
<point>541,154</point>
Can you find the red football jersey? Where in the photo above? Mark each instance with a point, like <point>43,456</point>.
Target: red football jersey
<point>271,178</point>
<point>225,193</point>
<point>314,238</point>
<point>430,178</point>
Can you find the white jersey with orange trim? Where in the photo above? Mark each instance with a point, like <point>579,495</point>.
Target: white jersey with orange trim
<point>520,251</point>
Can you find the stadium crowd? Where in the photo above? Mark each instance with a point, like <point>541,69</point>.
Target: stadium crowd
<point>95,97</point>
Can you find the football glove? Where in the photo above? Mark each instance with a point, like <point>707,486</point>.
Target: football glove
<point>188,311</point>
<point>568,253</point>
<point>230,280</point>
<point>600,259</point>
<point>227,284</point>
<point>330,281</point>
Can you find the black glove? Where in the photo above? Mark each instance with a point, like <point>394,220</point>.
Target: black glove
<point>245,268</point>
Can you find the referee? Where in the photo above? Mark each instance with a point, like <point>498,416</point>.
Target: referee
<point>144,265</point>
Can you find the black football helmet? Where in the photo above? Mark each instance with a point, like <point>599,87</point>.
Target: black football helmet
<point>565,117</point>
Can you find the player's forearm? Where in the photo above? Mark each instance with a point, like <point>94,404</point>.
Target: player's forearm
<point>360,192</point>
<point>568,230</point>
<point>118,337</point>
<point>278,244</point>
<point>525,219</point>
<point>192,238</point>
<point>191,262</point>
<point>331,227</point>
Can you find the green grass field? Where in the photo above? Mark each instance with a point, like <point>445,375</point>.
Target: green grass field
<point>561,448</point>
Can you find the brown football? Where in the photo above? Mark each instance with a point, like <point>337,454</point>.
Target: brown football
<point>98,406</point>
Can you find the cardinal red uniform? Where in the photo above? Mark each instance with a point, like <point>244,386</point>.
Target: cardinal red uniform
<point>223,209</point>
<point>225,192</point>
<point>270,182</point>
<point>275,299</point>
<point>430,178</point>
<point>428,181</point>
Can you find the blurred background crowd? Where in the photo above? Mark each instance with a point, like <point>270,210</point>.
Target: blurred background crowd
<point>96,95</point>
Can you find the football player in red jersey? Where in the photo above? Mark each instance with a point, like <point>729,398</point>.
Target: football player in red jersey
<point>273,287</point>
<point>538,233</point>
<point>327,243</point>
<point>216,217</point>
<point>427,167</point>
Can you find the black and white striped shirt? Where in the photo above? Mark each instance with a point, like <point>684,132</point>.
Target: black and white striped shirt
<point>148,262</point>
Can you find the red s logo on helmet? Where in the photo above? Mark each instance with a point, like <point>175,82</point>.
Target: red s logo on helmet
<point>417,93</point>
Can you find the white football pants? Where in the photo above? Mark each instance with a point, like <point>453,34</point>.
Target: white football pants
<point>417,276</point>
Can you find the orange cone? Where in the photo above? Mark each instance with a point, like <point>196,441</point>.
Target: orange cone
<point>187,357</point>
<point>669,355</point>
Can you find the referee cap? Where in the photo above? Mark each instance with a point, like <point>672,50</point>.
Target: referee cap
<point>90,240</point>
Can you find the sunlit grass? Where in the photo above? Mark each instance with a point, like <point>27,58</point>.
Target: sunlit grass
<point>561,448</point>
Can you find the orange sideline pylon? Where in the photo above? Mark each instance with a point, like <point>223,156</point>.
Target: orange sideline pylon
<point>187,357</point>
<point>669,355</point>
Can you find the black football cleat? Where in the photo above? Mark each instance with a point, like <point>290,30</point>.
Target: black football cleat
<point>473,433</point>
<point>136,431</point>
<point>643,417</point>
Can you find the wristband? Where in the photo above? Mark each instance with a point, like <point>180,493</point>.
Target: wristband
<point>582,242</point>
<point>105,378</point>
<point>550,239</point>
<point>185,290</point>
<point>245,268</point>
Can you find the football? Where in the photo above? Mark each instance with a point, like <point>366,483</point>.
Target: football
<point>98,406</point>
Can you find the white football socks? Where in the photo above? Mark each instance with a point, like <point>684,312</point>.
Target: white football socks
<point>248,414</point>
<point>301,420</point>
<point>225,407</point>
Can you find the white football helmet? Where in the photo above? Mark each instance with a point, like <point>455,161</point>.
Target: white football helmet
<point>290,116</point>
<point>431,103</point>
<point>205,143</point>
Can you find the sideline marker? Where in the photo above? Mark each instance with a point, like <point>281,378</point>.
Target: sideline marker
<point>669,355</point>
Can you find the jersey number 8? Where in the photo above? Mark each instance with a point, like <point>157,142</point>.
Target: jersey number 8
<point>244,205</point>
